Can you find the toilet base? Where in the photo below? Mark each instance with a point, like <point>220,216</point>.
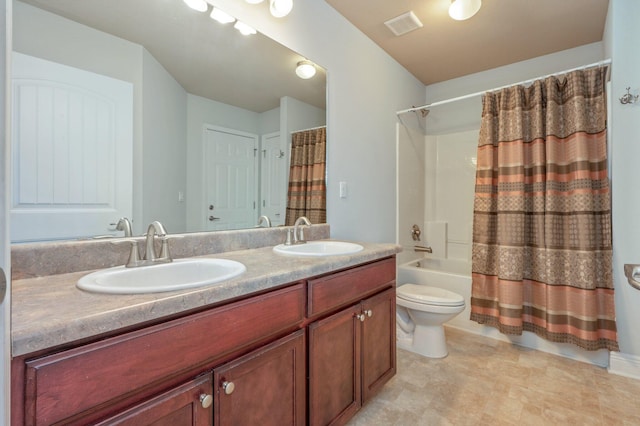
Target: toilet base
<point>427,340</point>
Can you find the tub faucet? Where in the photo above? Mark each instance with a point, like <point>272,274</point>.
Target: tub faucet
<point>157,229</point>
<point>298,231</point>
<point>264,219</point>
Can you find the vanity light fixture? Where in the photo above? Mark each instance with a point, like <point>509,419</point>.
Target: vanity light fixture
<point>221,16</point>
<point>199,5</point>
<point>244,28</point>
<point>464,9</point>
<point>280,8</point>
<point>305,69</point>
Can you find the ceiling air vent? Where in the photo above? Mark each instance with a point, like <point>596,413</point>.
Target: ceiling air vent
<point>404,23</point>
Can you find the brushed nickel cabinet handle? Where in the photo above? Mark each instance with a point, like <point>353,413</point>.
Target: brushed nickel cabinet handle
<point>206,400</point>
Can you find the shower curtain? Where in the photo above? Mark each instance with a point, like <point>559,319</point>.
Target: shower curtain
<point>307,189</point>
<point>542,251</point>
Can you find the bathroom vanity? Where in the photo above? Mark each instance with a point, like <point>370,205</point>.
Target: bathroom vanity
<point>292,341</point>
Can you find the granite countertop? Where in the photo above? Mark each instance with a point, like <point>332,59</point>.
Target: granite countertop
<point>48,312</point>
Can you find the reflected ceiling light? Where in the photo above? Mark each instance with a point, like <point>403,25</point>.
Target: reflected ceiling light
<point>221,16</point>
<point>244,28</point>
<point>199,5</point>
<point>464,9</point>
<point>280,8</point>
<point>305,69</point>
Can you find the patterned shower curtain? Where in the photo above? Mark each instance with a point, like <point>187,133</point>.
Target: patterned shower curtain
<point>307,189</point>
<point>542,253</point>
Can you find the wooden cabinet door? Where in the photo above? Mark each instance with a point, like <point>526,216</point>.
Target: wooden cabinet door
<point>265,387</point>
<point>186,405</point>
<point>378,342</point>
<point>334,368</point>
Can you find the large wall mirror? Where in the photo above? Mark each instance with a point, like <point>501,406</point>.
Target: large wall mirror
<point>137,108</point>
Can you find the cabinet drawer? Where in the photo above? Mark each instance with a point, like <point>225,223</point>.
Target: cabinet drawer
<point>335,290</point>
<point>61,385</point>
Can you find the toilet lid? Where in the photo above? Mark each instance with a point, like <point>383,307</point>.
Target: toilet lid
<point>429,295</point>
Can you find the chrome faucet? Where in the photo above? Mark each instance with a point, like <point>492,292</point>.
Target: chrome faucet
<point>124,224</point>
<point>264,219</point>
<point>150,257</point>
<point>156,228</point>
<point>298,231</point>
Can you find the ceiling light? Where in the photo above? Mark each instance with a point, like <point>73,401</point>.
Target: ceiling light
<point>244,28</point>
<point>199,5</point>
<point>253,1</point>
<point>464,9</point>
<point>221,16</point>
<point>305,69</point>
<point>280,8</point>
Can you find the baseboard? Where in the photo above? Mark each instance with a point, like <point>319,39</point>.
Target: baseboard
<point>624,365</point>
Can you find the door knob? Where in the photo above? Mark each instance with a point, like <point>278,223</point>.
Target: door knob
<point>206,400</point>
<point>228,387</point>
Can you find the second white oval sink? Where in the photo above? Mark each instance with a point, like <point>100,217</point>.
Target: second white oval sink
<point>318,248</point>
<point>177,275</point>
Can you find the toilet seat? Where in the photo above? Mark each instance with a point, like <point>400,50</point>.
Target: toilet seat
<point>427,295</point>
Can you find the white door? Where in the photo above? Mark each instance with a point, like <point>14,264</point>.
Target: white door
<point>230,179</point>
<point>273,179</point>
<point>72,134</point>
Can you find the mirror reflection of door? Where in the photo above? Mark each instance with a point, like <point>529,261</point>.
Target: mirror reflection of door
<point>72,151</point>
<point>273,179</point>
<point>230,179</point>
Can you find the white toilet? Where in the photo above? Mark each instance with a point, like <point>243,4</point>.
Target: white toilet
<point>421,312</point>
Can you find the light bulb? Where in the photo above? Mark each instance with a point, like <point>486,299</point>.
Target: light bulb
<point>221,16</point>
<point>199,5</point>
<point>464,9</point>
<point>305,69</point>
<point>280,8</point>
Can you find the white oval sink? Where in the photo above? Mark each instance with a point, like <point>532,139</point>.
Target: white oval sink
<point>177,275</point>
<point>318,248</point>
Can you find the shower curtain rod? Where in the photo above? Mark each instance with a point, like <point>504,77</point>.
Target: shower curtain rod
<point>311,128</point>
<point>531,80</point>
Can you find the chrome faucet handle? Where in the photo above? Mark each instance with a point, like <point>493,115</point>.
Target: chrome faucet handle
<point>134,255</point>
<point>165,254</point>
<point>290,237</point>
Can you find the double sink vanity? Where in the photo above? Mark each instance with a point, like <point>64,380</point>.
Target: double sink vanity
<point>288,334</point>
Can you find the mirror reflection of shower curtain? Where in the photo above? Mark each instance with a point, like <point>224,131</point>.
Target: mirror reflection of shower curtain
<point>307,191</point>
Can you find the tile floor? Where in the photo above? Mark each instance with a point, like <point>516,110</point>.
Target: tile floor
<point>487,382</point>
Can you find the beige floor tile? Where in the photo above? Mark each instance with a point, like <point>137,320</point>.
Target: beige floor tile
<point>488,382</point>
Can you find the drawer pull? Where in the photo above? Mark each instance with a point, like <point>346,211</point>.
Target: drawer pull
<point>369,313</point>
<point>361,317</point>
<point>228,387</point>
<point>206,400</point>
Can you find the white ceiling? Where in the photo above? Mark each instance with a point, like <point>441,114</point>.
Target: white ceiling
<point>208,59</point>
<point>501,33</point>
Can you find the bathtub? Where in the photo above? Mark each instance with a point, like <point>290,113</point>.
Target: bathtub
<point>450,274</point>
